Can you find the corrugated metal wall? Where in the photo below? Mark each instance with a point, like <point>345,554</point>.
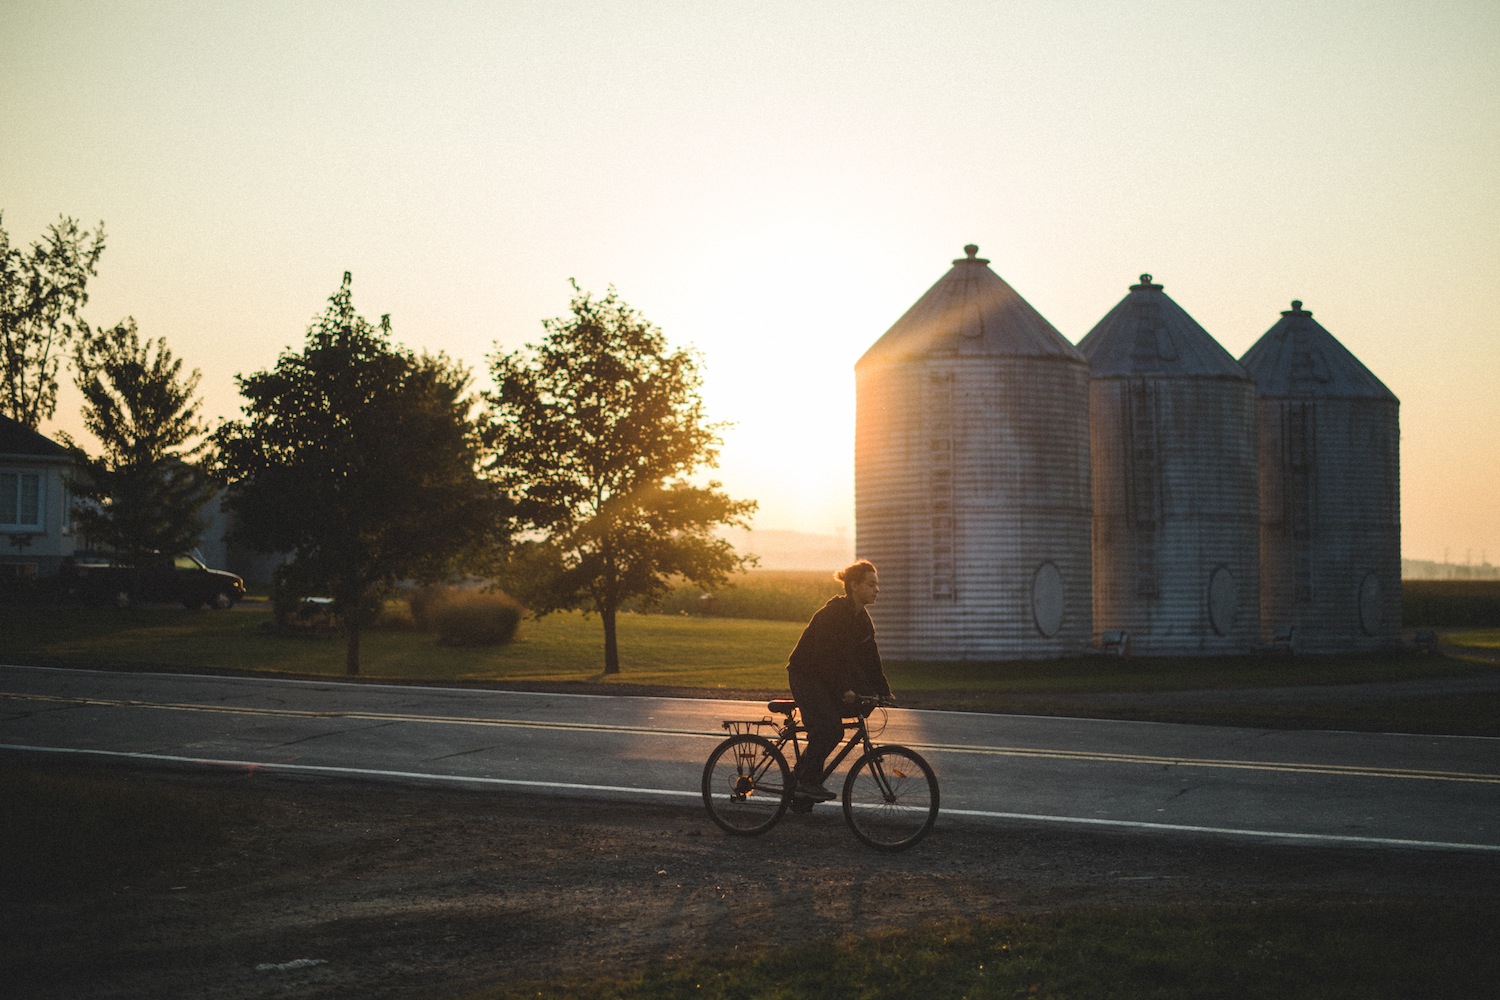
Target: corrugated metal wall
<point>972,498</point>
<point>1330,500</point>
<point>1174,471</point>
<point>972,477</point>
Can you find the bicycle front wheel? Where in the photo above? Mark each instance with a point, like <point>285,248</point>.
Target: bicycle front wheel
<point>745,785</point>
<point>891,798</point>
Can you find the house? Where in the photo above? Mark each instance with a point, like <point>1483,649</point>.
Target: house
<point>36,521</point>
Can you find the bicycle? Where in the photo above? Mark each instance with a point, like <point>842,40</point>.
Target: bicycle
<point>890,795</point>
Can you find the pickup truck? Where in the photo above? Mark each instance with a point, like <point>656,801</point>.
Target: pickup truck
<point>181,578</point>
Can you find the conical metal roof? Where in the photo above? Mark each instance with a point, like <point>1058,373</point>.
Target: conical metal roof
<point>1298,359</point>
<point>1149,334</point>
<point>970,311</point>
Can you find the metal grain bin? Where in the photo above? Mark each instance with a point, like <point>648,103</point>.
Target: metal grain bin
<point>1176,508</point>
<point>1330,492</point>
<point>972,476</point>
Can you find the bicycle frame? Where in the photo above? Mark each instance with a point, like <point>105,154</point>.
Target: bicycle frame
<point>856,734</point>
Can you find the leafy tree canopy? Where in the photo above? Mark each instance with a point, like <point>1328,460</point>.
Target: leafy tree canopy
<point>41,292</point>
<point>147,487</point>
<point>597,430</point>
<point>360,461</point>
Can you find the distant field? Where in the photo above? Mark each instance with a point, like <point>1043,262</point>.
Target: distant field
<point>769,595</point>
<point>795,595</point>
<point>1450,603</point>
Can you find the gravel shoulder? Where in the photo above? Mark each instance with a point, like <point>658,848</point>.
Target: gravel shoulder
<point>339,889</point>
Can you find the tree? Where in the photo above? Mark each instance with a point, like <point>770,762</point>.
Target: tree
<point>596,430</point>
<point>361,461</point>
<point>148,486</point>
<point>40,295</point>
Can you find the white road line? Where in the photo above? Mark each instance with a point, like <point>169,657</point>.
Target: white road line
<point>677,793</point>
<point>1321,838</point>
<point>363,772</point>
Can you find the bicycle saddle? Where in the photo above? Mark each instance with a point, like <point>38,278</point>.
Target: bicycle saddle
<point>781,706</point>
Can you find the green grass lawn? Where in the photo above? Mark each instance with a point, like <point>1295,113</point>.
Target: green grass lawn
<point>655,649</point>
<point>1485,638</point>
<point>742,646</point>
<point>672,650</point>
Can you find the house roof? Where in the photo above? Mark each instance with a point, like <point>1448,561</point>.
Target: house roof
<point>971,310</point>
<point>19,441</point>
<point>1147,333</point>
<point>1297,359</point>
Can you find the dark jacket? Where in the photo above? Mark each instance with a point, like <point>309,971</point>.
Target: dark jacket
<point>838,649</point>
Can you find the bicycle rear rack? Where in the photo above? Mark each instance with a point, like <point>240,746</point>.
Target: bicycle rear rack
<point>745,727</point>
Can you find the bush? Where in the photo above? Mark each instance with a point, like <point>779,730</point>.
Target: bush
<point>466,617</point>
<point>395,616</point>
<point>421,600</point>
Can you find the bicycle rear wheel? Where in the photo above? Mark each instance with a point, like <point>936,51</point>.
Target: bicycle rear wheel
<point>745,785</point>
<point>890,798</point>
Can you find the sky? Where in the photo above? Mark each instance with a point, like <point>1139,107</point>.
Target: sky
<point>774,184</point>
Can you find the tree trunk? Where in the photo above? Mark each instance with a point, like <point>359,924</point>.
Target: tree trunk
<point>351,647</point>
<point>611,645</point>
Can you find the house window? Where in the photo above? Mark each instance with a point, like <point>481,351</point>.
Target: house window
<point>20,500</point>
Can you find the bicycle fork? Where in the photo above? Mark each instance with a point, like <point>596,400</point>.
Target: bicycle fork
<point>883,780</point>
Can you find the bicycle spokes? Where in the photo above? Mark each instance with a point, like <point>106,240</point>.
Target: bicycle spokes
<point>744,785</point>
<point>890,798</point>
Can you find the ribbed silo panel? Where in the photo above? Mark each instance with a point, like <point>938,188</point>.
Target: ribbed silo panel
<point>1330,522</point>
<point>972,498</point>
<point>888,485</point>
<point>1330,492</point>
<point>1176,513</point>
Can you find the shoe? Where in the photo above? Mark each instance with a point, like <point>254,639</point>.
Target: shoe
<point>815,792</point>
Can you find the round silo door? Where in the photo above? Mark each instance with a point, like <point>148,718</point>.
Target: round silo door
<point>1223,596</point>
<point>1369,604</point>
<point>1047,599</point>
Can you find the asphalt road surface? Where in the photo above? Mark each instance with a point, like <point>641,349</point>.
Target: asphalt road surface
<point>1312,787</point>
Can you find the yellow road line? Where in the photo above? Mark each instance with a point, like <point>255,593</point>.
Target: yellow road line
<point>294,713</point>
<point>1354,770</point>
<point>1086,756</point>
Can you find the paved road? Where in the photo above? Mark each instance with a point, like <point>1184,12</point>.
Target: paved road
<point>1310,787</point>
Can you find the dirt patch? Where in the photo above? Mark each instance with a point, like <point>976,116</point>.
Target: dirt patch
<point>340,889</point>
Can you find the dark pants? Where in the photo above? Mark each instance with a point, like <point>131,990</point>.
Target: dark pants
<point>823,715</point>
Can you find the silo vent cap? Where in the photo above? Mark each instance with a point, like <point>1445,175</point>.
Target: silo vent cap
<point>1145,283</point>
<point>1297,309</point>
<point>971,250</point>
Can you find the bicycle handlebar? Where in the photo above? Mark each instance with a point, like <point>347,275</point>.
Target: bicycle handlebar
<point>866,703</point>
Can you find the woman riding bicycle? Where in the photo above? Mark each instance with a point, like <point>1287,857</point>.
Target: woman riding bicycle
<point>835,661</point>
